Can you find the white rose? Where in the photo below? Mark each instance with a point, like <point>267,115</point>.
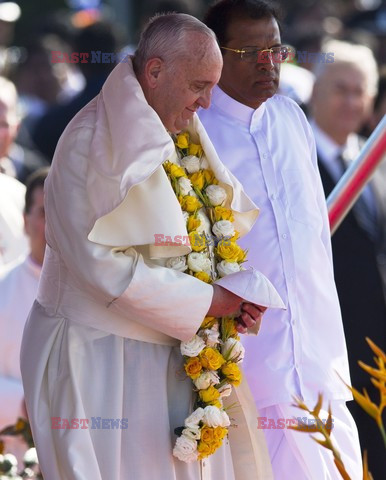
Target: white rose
<point>177,263</point>
<point>225,390</point>
<point>193,347</point>
<point>192,432</point>
<point>191,163</point>
<point>206,379</point>
<point>204,223</point>
<point>194,418</point>
<point>225,268</point>
<point>185,185</point>
<point>199,262</point>
<point>210,336</point>
<point>223,228</point>
<point>217,195</point>
<point>232,349</point>
<point>214,417</point>
<point>185,449</point>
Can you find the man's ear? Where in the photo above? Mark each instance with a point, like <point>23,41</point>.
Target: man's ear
<point>153,69</point>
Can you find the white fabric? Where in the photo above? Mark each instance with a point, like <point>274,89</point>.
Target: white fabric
<point>296,452</point>
<point>13,241</point>
<point>81,356</point>
<point>272,152</point>
<point>18,287</point>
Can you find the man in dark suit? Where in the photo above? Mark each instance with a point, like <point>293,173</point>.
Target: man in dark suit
<point>342,96</point>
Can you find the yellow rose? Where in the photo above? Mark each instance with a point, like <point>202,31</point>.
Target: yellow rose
<point>193,223</point>
<point>204,449</point>
<point>232,372</point>
<point>209,395</point>
<point>220,433</point>
<point>190,204</point>
<point>176,171</point>
<point>193,367</point>
<point>230,251</point>
<point>211,358</point>
<point>235,237</point>
<point>228,328</point>
<point>197,241</point>
<point>207,434</point>
<point>182,140</point>
<point>203,276</point>
<point>222,213</point>
<point>195,149</point>
<point>198,180</point>
<point>210,179</point>
<point>208,322</point>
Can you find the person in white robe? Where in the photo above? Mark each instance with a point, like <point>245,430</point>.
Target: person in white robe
<point>266,141</point>
<point>18,288</point>
<point>100,358</point>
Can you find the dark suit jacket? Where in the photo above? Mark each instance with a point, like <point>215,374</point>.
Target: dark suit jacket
<point>357,268</point>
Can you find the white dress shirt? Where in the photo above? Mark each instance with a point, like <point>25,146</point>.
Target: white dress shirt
<point>271,150</point>
<point>18,288</point>
<point>13,241</point>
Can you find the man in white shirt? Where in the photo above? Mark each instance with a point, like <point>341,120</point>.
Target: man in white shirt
<point>18,287</point>
<point>267,143</point>
<point>341,100</point>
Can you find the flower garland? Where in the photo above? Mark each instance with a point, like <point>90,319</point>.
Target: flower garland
<point>212,356</point>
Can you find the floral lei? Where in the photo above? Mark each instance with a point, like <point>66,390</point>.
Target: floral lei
<point>212,356</point>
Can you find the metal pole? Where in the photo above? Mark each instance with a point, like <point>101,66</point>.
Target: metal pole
<point>356,176</point>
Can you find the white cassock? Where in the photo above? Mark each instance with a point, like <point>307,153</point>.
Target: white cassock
<point>13,241</point>
<point>102,342</point>
<point>18,288</point>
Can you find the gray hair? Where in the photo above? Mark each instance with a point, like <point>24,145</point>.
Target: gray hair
<point>8,96</point>
<point>358,56</point>
<point>165,37</point>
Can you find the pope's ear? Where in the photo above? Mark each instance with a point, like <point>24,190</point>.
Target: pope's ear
<point>153,69</point>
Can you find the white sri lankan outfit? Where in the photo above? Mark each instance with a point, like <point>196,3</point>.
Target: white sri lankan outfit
<point>18,287</point>
<point>102,340</point>
<point>13,241</point>
<point>299,350</point>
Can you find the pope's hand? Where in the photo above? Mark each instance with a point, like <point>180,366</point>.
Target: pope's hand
<point>225,303</point>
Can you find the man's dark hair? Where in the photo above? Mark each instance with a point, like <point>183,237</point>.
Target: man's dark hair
<point>222,13</point>
<point>34,181</point>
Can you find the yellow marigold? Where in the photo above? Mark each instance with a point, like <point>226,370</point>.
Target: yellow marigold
<point>203,276</point>
<point>195,149</point>
<point>208,322</point>
<point>209,395</point>
<point>197,241</point>
<point>230,251</point>
<point>197,179</point>
<point>232,372</point>
<point>193,223</point>
<point>193,367</point>
<point>190,204</point>
<point>228,328</point>
<point>182,140</point>
<point>222,213</point>
<point>219,433</point>
<point>211,358</point>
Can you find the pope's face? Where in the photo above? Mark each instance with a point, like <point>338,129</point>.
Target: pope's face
<point>186,86</point>
<point>250,83</point>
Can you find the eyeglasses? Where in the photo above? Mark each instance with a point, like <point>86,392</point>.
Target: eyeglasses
<point>253,54</point>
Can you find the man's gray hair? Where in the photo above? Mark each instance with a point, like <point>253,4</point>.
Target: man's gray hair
<point>359,56</point>
<point>165,37</point>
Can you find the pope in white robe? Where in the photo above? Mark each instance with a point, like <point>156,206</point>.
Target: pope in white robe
<point>101,364</point>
